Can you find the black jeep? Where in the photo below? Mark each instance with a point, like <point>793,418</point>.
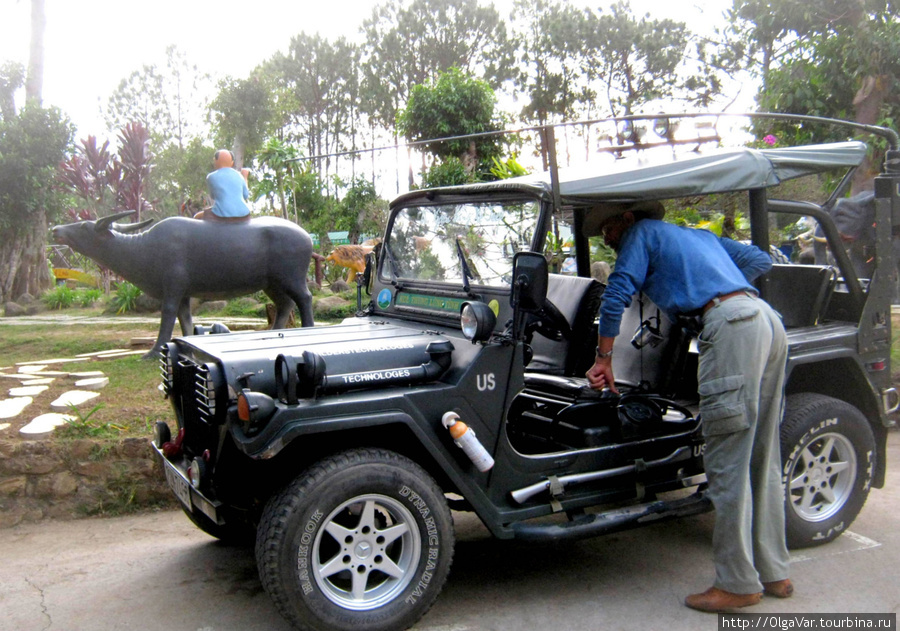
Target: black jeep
<point>331,444</point>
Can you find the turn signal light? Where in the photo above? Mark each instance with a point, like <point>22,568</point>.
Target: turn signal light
<point>253,407</point>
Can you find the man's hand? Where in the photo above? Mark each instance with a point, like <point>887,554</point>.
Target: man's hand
<point>601,375</point>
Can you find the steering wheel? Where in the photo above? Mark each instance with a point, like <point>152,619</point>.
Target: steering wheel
<point>550,322</point>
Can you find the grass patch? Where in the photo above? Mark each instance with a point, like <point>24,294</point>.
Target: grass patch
<point>130,404</point>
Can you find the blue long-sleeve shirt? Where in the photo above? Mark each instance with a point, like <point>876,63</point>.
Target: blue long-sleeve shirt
<point>680,269</point>
<point>228,191</point>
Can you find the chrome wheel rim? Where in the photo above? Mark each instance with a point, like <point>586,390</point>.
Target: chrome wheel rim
<point>367,552</point>
<point>822,478</point>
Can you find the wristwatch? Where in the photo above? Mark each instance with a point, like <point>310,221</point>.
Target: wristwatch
<point>601,355</point>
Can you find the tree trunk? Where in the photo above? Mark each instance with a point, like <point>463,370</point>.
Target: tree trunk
<point>23,261</point>
<point>867,103</point>
<point>34,82</point>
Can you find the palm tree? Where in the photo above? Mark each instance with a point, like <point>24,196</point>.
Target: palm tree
<point>34,82</point>
<point>277,156</point>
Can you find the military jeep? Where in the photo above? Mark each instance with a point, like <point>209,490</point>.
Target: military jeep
<point>329,446</point>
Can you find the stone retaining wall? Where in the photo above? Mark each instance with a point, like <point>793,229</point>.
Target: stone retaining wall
<point>77,478</point>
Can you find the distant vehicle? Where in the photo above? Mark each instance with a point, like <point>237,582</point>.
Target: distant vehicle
<point>335,446</point>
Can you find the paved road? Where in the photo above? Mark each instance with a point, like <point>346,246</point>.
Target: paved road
<point>157,572</point>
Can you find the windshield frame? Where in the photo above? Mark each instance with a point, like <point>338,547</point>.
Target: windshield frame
<point>390,273</point>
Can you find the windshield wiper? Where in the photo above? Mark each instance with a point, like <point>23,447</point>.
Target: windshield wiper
<point>466,272</point>
<point>392,264</point>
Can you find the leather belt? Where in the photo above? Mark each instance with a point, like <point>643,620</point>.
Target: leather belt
<point>718,299</point>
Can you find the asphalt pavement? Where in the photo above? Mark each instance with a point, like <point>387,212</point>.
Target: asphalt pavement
<point>157,572</point>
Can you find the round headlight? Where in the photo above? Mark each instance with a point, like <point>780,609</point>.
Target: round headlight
<point>161,434</point>
<point>196,472</point>
<point>477,321</point>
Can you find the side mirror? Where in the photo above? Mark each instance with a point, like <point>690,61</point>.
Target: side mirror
<point>529,289</point>
<point>371,263</point>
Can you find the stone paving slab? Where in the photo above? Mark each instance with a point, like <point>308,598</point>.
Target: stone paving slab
<point>73,397</point>
<point>10,408</point>
<point>27,391</point>
<point>45,424</point>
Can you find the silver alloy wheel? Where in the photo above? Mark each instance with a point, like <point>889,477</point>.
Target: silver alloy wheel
<point>367,553</point>
<point>822,478</point>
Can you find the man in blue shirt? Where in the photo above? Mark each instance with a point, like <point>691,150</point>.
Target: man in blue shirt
<point>743,351</point>
<point>228,190</point>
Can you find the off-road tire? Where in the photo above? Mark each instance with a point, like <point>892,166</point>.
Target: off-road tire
<point>328,549</point>
<point>828,457</point>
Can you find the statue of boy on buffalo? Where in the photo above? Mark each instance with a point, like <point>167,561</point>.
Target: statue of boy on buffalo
<point>179,258</point>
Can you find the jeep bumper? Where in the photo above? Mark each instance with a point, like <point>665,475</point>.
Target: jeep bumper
<point>192,499</point>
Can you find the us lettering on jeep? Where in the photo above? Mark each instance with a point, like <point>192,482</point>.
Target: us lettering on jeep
<point>486,382</point>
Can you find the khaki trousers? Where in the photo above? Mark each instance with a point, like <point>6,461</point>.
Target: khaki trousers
<point>743,351</point>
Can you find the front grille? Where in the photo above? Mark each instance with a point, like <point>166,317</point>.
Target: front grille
<point>196,383</point>
<point>205,393</point>
<point>195,386</point>
<point>166,371</point>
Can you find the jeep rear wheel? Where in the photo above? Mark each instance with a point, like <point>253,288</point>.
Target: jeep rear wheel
<point>362,540</point>
<point>828,456</point>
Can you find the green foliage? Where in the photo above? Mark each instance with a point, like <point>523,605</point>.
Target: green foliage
<point>83,427</point>
<point>87,297</point>
<point>450,172</point>
<point>242,111</point>
<point>505,169</point>
<point>408,44</point>
<point>317,90</point>
<point>12,77</point>
<point>125,297</point>
<point>179,177</point>
<point>366,212</point>
<point>245,307</point>
<point>834,58</point>
<point>277,157</point>
<point>453,106</point>
<point>31,145</point>
<point>60,297</point>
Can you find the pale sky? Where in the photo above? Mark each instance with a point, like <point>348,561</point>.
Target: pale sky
<point>91,45</point>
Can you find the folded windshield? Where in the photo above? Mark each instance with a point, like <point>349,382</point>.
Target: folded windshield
<point>470,242</point>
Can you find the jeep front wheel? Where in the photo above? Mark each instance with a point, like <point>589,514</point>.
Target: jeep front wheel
<point>828,456</point>
<point>362,540</point>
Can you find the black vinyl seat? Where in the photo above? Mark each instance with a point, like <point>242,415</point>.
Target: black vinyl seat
<point>578,299</point>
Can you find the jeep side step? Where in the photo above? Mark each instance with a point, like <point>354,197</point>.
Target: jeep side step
<point>611,521</point>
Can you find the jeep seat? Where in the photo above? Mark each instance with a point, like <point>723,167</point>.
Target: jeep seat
<point>577,298</point>
<point>800,293</point>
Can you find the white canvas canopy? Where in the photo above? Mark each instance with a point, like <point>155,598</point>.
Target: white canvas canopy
<point>664,176</point>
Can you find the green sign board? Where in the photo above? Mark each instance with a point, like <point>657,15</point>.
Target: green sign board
<point>424,301</point>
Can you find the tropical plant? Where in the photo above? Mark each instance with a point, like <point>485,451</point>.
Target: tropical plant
<point>60,297</point>
<point>505,169</point>
<point>87,297</point>
<point>125,297</point>
<point>277,156</point>
<point>108,182</point>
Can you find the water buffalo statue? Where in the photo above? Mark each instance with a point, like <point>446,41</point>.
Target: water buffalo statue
<point>178,258</point>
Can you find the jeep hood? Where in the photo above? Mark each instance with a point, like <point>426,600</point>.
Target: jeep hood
<point>346,356</point>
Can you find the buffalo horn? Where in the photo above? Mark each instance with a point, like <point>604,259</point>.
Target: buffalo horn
<point>131,227</point>
<point>105,222</point>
